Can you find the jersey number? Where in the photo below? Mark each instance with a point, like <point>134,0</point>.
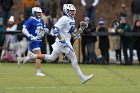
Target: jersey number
<point>71,30</point>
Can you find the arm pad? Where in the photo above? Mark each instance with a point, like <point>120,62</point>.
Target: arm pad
<point>56,32</point>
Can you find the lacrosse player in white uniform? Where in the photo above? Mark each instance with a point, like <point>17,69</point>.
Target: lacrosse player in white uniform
<point>63,30</point>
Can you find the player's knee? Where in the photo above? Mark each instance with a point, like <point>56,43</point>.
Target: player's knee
<point>74,62</point>
<point>50,58</point>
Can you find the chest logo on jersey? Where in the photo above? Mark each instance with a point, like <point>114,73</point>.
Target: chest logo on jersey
<point>39,30</point>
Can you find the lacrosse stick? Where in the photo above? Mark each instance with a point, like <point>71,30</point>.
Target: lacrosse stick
<point>83,25</point>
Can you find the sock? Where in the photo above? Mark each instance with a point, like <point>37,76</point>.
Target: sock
<point>38,70</point>
<point>35,56</point>
<point>78,70</point>
<point>75,65</point>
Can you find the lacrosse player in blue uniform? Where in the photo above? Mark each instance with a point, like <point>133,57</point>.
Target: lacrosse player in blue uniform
<point>34,29</point>
<point>63,30</point>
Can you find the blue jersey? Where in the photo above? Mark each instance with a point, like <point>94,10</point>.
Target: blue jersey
<point>35,26</point>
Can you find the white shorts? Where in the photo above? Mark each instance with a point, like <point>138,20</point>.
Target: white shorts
<point>59,48</point>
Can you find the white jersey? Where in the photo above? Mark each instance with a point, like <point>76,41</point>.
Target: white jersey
<point>66,26</point>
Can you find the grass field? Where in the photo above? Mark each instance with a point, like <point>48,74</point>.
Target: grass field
<point>61,78</point>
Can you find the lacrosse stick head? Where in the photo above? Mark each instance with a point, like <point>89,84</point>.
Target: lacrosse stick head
<point>83,25</point>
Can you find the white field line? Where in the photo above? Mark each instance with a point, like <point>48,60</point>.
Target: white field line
<point>20,88</point>
<point>63,87</point>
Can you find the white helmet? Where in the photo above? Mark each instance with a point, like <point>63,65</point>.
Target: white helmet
<point>67,8</point>
<point>36,10</point>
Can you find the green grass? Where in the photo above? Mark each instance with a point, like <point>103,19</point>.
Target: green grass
<point>61,78</point>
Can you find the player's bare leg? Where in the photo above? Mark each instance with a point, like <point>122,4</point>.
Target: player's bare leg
<point>51,57</point>
<point>73,59</point>
<point>38,64</point>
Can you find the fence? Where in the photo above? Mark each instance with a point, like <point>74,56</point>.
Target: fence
<point>130,34</point>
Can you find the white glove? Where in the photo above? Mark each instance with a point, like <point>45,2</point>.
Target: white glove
<point>46,30</point>
<point>63,43</point>
<point>66,46</point>
<point>33,38</point>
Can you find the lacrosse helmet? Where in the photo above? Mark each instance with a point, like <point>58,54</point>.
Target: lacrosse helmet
<point>69,10</point>
<point>36,11</point>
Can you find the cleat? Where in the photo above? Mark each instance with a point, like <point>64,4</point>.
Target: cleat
<point>29,57</point>
<point>19,61</point>
<point>32,56</point>
<point>40,74</point>
<point>25,59</point>
<point>87,78</point>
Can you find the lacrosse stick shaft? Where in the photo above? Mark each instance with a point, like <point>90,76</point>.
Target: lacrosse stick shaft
<point>69,47</point>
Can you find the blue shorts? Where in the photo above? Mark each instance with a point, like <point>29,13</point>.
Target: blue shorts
<point>35,45</point>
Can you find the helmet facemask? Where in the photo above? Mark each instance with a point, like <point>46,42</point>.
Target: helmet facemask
<point>37,15</point>
<point>36,11</point>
